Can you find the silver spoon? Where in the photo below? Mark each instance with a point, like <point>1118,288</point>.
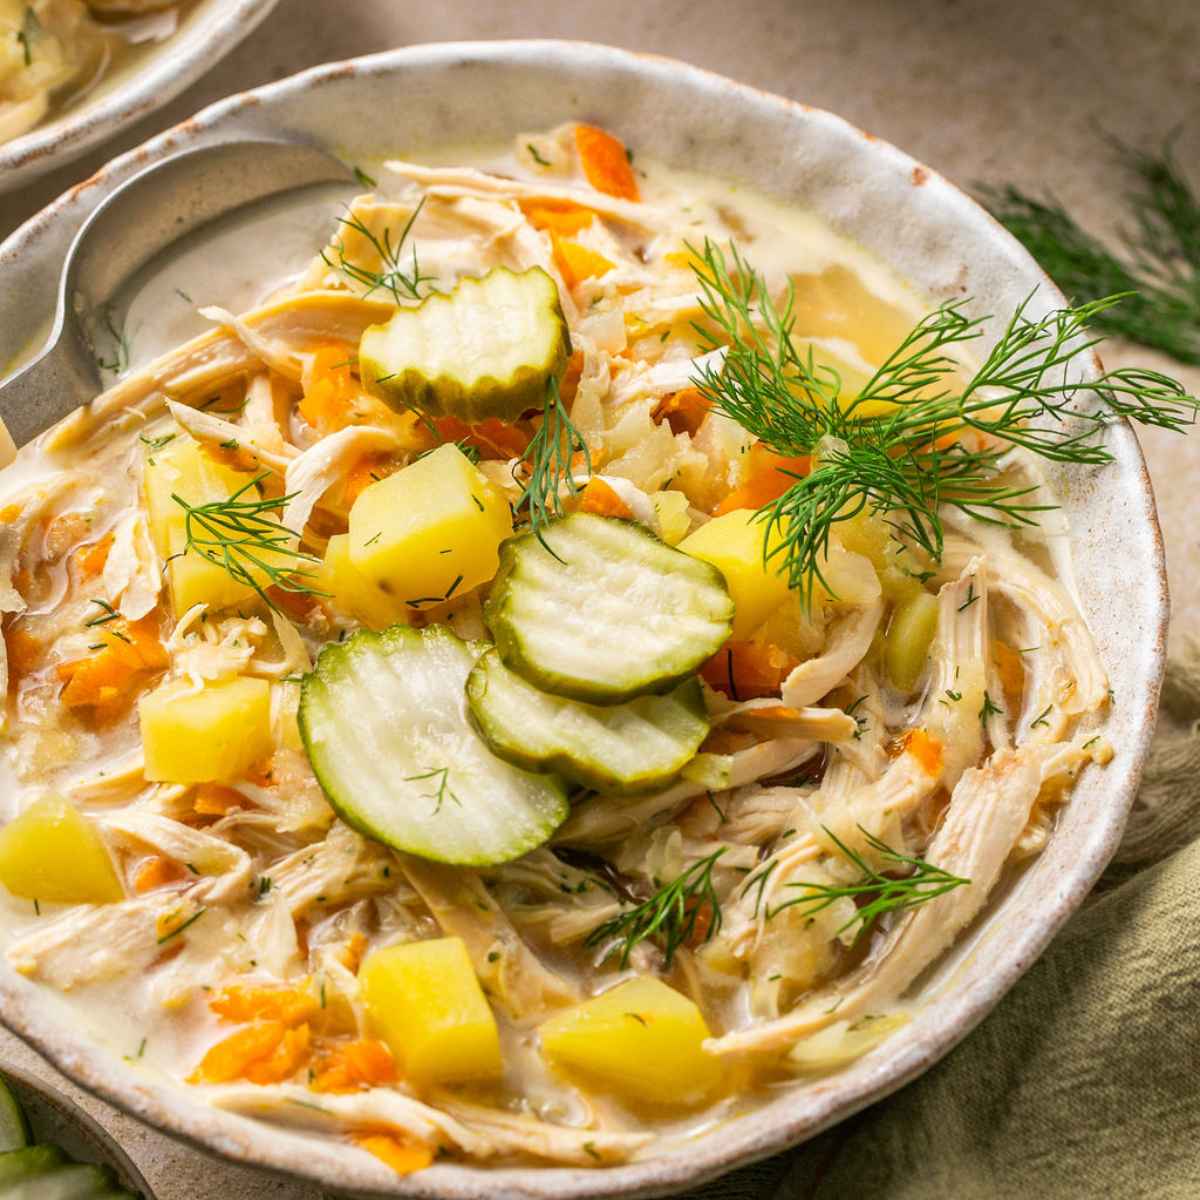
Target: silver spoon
<point>145,215</point>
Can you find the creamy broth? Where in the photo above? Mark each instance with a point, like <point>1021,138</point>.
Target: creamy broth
<point>173,972</point>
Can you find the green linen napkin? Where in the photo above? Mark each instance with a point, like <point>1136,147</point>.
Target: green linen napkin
<point>1085,1082</point>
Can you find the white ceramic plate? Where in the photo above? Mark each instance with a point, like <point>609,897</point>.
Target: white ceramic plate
<point>153,75</point>
<point>906,215</point>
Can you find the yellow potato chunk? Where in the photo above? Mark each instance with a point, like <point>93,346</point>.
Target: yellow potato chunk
<point>425,1002</point>
<point>215,733</point>
<point>431,530</point>
<point>353,593</point>
<point>909,636</point>
<point>733,543</point>
<point>641,1039</point>
<point>50,852</point>
<point>182,468</point>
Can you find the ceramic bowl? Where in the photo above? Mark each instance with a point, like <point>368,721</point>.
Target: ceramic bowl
<point>54,1117</point>
<point>908,216</point>
<point>153,75</point>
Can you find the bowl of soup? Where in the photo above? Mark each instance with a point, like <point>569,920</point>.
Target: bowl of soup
<point>508,688</point>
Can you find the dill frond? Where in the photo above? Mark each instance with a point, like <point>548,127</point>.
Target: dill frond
<point>392,277</point>
<point>550,461</point>
<point>244,537</point>
<point>671,915</point>
<point>1158,260</point>
<point>923,432</point>
<point>885,894</point>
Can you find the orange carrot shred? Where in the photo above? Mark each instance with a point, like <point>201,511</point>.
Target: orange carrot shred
<point>599,498</point>
<point>925,749</point>
<point>215,800</point>
<point>748,670</point>
<point>231,1058</point>
<point>605,162</point>
<point>283,1005</point>
<point>352,1066</point>
<point>768,476</point>
<point>155,872</point>
<point>402,1155</point>
<point>91,558</point>
<point>684,411</point>
<point>557,216</point>
<point>577,262</point>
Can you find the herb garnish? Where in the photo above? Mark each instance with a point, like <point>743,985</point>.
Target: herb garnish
<point>912,457</point>
<point>537,158</point>
<point>550,456</point>
<point>166,937</point>
<point>925,882</point>
<point>672,914</point>
<point>363,179</point>
<point>392,276</point>
<point>107,613</point>
<point>243,537</point>
<point>156,443</point>
<point>31,27</point>
<point>442,775</point>
<point>120,355</point>
<point>1158,260</point>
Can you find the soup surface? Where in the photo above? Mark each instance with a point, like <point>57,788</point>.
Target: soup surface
<point>419,726</point>
<point>52,52</point>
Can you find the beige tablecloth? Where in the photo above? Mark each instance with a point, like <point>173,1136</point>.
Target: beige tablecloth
<point>981,91</point>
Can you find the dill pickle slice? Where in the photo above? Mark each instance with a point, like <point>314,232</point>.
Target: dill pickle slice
<point>598,609</point>
<point>617,749</point>
<point>486,348</point>
<point>384,721</point>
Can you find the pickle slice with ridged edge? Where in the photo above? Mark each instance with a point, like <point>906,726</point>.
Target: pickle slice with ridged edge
<point>598,609</point>
<point>617,749</point>
<point>486,348</point>
<point>384,720</point>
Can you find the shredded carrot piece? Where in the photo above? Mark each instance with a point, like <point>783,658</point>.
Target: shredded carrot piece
<point>230,1059</point>
<point>290,1054</point>
<point>354,1065</point>
<point>576,262</point>
<point>368,470</point>
<point>261,773</point>
<point>493,438</point>
<point>925,749</point>
<point>155,872</point>
<point>748,670</point>
<point>24,652</point>
<point>402,1155</point>
<point>215,800</point>
<point>568,385</point>
<point>9,513</point>
<point>1010,666</point>
<point>352,955</point>
<point>106,680</point>
<point>90,559</point>
<point>330,390</point>
<point>683,411</point>
<point>768,476</point>
<point>283,1005</point>
<point>605,162</point>
<point>599,498</point>
<point>557,216</point>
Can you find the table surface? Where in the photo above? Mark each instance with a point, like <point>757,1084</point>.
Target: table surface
<point>1018,92</point>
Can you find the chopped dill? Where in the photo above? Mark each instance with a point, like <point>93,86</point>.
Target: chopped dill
<point>550,458</point>
<point>443,792</point>
<point>391,275</point>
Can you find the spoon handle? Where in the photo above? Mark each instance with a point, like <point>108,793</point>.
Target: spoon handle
<point>45,391</point>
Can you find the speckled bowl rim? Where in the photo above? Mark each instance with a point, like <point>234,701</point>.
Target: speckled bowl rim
<point>1012,946</point>
<point>168,69</point>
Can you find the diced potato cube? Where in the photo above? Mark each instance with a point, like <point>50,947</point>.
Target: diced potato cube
<point>198,736</point>
<point>672,511</point>
<point>182,468</point>
<point>642,1039</point>
<point>351,592</point>
<point>424,1000</point>
<point>733,543</point>
<point>431,530</point>
<point>50,852</point>
<point>909,636</point>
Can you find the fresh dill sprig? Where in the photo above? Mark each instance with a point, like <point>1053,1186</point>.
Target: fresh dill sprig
<point>391,276</point>
<point>443,791</point>
<point>884,894</point>
<point>119,362</point>
<point>243,536</point>
<point>923,431</point>
<point>31,27</point>
<point>1158,259</point>
<point>550,456</point>
<point>672,915</point>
